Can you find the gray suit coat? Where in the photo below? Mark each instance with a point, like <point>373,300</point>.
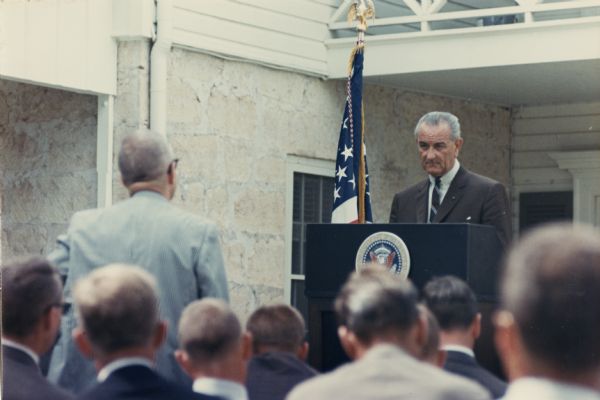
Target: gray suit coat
<point>22,379</point>
<point>177,247</point>
<point>470,198</point>
<point>386,372</point>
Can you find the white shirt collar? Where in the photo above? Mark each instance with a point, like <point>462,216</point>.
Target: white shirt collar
<point>447,178</point>
<point>24,349</point>
<point>541,388</point>
<point>109,368</point>
<point>459,348</point>
<point>220,387</point>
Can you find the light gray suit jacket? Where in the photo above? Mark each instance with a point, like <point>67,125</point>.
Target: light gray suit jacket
<point>177,247</point>
<point>386,372</point>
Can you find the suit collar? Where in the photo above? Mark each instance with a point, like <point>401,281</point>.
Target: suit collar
<point>455,192</point>
<point>9,344</point>
<point>422,200</point>
<point>110,368</point>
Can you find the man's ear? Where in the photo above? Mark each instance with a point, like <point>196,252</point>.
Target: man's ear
<point>458,143</point>
<point>246,343</point>
<point>420,332</point>
<point>476,326</point>
<point>509,346</point>
<point>348,341</point>
<point>440,359</point>
<point>160,334</point>
<point>184,361</point>
<point>302,351</point>
<point>83,343</point>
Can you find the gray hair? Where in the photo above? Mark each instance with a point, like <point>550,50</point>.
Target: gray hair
<point>435,118</point>
<point>117,306</point>
<point>29,289</point>
<point>144,156</point>
<point>208,330</point>
<point>373,303</point>
<point>551,286</point>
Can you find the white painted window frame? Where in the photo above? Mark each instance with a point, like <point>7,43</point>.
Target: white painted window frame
<point>303,165</point>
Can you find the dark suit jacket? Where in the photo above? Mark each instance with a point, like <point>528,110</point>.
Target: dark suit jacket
<point>138,382</point>
<point>272,375</point>
<point>465,365</point>
<point>470,198</point>
<point>23,380</point>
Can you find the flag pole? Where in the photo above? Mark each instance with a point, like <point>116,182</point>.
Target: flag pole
<point>361,10</point>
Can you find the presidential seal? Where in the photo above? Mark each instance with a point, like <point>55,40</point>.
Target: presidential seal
<point>387,249</point>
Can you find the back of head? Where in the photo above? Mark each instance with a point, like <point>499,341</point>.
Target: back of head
<point>29,289</point>
<point>276,327</point>
<point>208,331</point>
<point>145,156</point>
<point>374,304</point>
<point>435,118</point>
<point>551,286</point>
<point>452,302</point>
<point>117,307</point>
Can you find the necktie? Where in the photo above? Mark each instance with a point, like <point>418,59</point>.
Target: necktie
<point>435,198</point>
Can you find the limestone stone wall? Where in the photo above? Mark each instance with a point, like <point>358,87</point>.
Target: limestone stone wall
<point>47,164</point>
<point>233,124</point>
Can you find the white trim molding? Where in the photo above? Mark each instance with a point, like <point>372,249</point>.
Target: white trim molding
<point>585,168</point>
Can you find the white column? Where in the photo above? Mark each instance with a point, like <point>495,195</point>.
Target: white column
<point>585,168</point>
<point>104,150</point>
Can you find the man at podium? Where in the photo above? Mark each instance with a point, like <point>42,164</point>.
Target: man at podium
<point>451,193</point>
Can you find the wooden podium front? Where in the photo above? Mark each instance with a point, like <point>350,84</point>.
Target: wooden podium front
<point>471,252</point>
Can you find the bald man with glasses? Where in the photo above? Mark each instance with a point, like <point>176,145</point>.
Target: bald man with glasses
<point>180,249</point>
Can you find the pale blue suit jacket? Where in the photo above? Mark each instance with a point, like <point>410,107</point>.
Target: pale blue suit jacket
<point>177,247</point>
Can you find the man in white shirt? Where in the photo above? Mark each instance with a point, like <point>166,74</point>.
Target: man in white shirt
<point>213,349</point>
<point>383,332</point>
<point>120,329</point>
<point>454,305</point>
<point>548,333</point>
<point>31,311</point>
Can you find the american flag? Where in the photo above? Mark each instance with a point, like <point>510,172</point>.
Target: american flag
<point>350,182</point>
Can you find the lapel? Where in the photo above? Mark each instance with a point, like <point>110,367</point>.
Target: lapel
<point>422,201</point>
<point>455,192</point>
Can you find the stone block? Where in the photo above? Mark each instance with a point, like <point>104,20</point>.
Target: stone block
<point>266,262</point>
<point>259,211</point>
<point>200,159</point>
<point>23,240</point>
<point>231,116</point>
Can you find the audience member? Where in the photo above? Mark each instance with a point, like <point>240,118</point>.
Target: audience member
<point>175,246</point>
<point>279,352</point>
<point>31,311</point>
<point>548,334</point>
<point>121,331</point>
<point>382,330</point>
<point>213,349</point>
<point>454,304</point>
<point>431,351</point>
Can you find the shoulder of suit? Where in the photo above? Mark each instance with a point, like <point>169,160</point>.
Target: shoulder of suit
<point>479,179</point>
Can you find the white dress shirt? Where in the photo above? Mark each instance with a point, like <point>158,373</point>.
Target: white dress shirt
<point>445,182</point>
<point>227,389</point>
<point>459,348</point>
<point>539,388</point>
<point>121,363</point>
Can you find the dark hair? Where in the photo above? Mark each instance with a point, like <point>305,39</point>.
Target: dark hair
<point>29,289</point>
<point>452,302</point>
<point>144,156</point>
<point>208,330</point>
<point>374,302</point>
<point>551,286</point>
<point>278,327</point>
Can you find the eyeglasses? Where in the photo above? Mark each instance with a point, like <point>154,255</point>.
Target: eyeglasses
<point>172,165</point>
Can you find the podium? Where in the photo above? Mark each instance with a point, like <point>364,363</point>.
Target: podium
<point>471,252</point>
